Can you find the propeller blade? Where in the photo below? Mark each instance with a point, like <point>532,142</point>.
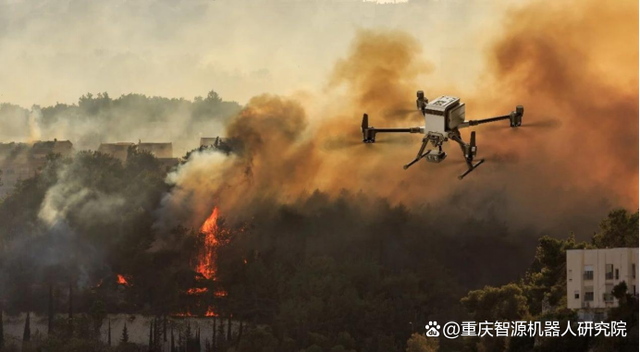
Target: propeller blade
<point>365,121</point>
<point>399,113</point>
<point>347,142</point>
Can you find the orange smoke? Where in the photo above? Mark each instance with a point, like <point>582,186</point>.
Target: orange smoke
<point>574,64</point>
<point>577,63</point>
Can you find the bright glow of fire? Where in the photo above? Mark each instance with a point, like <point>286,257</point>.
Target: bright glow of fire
<point>197,290</point>
<point>210,312</point>
<point>206,258</point>
<point>205,262</point>
<point>122,280</point>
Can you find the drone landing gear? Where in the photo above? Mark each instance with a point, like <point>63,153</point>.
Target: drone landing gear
<point>469,151</point>
<point>471,168</point>
<point>432,155</point>
<point>419,156</point>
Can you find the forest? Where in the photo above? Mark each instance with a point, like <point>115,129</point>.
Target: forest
<point>347,272</point>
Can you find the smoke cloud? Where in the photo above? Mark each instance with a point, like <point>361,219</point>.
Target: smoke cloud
<point>557,169</point>
<point>570,65</point>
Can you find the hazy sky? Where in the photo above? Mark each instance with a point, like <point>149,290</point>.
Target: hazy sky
<point>55,51</point>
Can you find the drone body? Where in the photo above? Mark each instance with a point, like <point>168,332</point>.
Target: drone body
<point>444,117</point>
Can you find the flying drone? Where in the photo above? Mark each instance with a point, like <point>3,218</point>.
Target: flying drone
<point>444,117</point>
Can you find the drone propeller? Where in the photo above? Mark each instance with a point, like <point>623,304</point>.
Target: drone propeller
<point>350,141</point>
<point>399,113</point>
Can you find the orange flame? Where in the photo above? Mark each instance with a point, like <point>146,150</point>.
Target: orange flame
<point>210,312</point>
<point>206,259</point>
<point>196,290</point>
<point>122,280</point>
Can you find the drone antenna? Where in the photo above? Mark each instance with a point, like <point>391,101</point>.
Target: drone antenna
<point>365,121</point>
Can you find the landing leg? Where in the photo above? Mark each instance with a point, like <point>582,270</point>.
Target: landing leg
<point>420,155</point>
<point>468,150</point>
<point>471,168</point>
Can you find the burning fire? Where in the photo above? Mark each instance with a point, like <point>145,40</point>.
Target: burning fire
<point>122,280</point>
<point>206,258</point>
<point>210,312</point>
<point>197,290</point>
<point>205,262</point>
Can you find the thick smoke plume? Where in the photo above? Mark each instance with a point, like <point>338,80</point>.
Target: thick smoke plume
<point>581,133</point>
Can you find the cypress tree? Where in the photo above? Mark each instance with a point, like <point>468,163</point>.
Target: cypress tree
<point>221,343</point>
<point>199,346</point>
<point>164,329</point>
<point>173,342</point>
<point>26,335</point>
<point>125,334</point>
<point>1,330</point>
<point>239,332</point>
<point>70,309</point>
<point>151,336</point>
<point>50,317</point>
<point>213,334</point>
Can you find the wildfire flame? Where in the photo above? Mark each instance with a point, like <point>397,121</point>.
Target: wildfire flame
<point>122,280</point>
<point>206,258</point>
<point>196,290</point>
<point>210,312</point>
<point>205,262</point>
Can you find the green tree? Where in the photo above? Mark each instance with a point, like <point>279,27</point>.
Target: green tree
<point>26,334</point>
<point>546,278</point>
<point>98,313</point>
<point>419,343</point>
<point>1,329</point>
<point>618,229</point>
<point>497,303</point>
<point>125,334</point>
<point>258,340</point>
<point>314,348</point>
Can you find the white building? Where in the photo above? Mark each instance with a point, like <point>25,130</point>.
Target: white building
<point>592,274</point>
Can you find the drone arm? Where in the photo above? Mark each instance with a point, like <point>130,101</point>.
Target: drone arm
<point>515,119</point>
<point>369,132</point>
